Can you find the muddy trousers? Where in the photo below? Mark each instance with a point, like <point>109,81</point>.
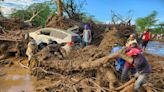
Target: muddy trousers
<point>140,80</point>
<point>124,73</point>
<point>144,44</point>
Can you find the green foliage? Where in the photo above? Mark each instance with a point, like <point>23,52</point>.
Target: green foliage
<point>157,31</point>
<point>41,10</point>
<point>146,22</point>
<point>22,14</point>
<point>42,16</point>
<point>159,28</point>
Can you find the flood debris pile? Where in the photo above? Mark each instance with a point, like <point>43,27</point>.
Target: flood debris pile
<point>12,34</point>
<point>89,69</point>
<point>110,38</point>
<point>70,63</point>
<point>73,74</point>
<point>12,24</point>
<point>13,43</point>
<point>61,22</point>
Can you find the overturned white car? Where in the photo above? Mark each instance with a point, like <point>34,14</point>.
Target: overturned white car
<point>71,39</point>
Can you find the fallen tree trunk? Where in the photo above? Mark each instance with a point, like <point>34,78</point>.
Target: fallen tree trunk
<point>104,60</point>
<point>68,65</point>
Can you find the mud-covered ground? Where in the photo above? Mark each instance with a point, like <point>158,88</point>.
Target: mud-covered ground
<point>17,79</point>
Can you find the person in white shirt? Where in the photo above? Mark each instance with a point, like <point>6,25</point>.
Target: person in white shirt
<point>87,35</point>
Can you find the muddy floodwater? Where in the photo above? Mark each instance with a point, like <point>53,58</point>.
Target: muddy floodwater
<point>156,48</point>
<point>16,80</point>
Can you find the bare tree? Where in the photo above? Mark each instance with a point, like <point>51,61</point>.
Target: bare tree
<point>72,9</point>
<point>59,7</point>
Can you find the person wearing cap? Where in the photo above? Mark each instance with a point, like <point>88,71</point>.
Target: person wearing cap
<point>87,35</point>
<point>143,69</point>
<point>31,50</point>
<point>119,61</point>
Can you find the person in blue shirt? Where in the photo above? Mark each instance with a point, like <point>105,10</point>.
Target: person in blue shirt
<point>119,62</point>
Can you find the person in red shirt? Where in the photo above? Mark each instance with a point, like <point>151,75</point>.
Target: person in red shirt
<point>145,38</point>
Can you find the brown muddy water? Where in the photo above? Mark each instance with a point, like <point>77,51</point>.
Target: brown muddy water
<point>16,80</point>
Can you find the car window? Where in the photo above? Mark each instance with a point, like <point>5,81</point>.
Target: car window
<point>58,34</point>
<point>75,30</point>
<point>45,32</point>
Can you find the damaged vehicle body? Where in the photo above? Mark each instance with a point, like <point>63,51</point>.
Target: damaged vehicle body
<point>68,39</point>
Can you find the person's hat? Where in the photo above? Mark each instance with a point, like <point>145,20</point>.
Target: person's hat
<point>86,26</point>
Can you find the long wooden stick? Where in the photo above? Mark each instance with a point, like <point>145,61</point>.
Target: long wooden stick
<point>126,84</point>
